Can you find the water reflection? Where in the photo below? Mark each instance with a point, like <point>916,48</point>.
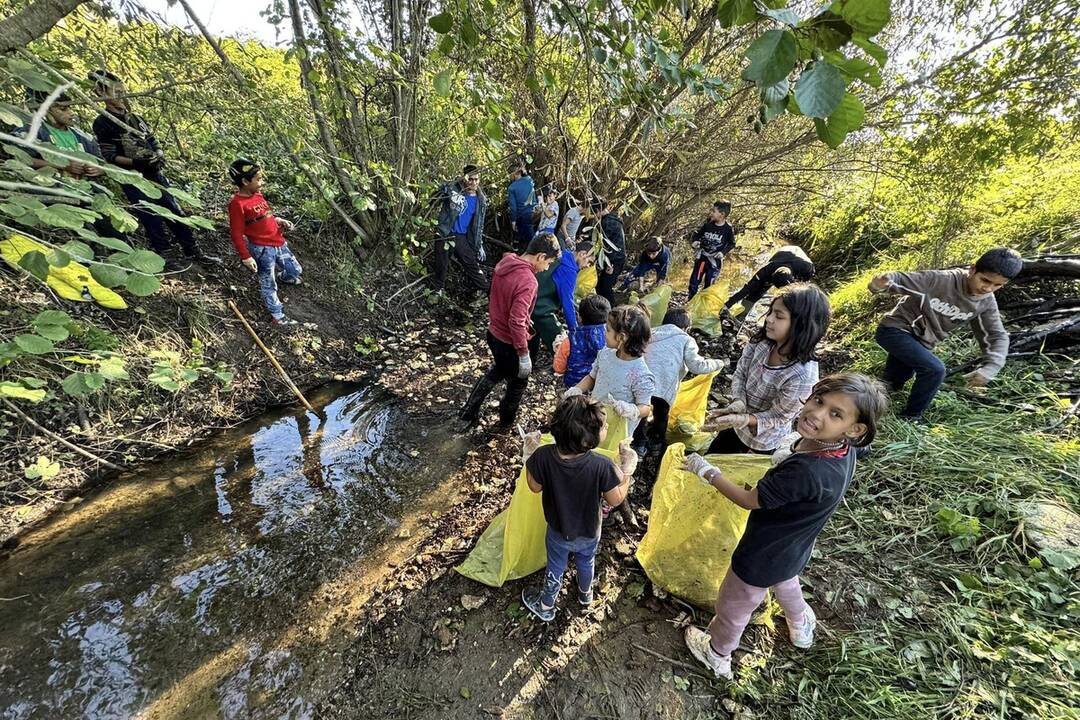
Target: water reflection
<point>165,570</point>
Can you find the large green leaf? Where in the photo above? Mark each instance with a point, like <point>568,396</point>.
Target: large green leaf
<point>819,90</point>
<point>35,263</point>
<point>80,384</point>
<point>185,197</point>
<point>79,250</point>
<point>112,368</point>
<point>145,261</point>
<point>34,344</point>
<point>52,332</point>
<point>871,48</point>
<point>51,317</point>
<point>18,392</point>
<point>109,242</point>
<point>772,56</point>
<point>730,13</point>
<point>866,16</point>
<point>442,83</point>
<point>130,177</point>
<point>29,75</point>
<point>141,284</point>
<point>494,129</point>
<point>66,216</point>
<point>109,275</point>
<point>441,23</point>
<point>855,68</point>
<point>848,116</point>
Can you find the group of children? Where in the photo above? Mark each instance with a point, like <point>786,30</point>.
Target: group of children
<point>612,361</point>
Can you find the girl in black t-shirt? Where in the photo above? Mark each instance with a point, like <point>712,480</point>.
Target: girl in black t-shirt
<point>788,510</point>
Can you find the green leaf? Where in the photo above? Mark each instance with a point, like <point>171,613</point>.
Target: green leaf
<point>79,250</point>
<point>775,99</point>
<point>312,76</point>
<point>76,384</point>
<point>58,258</point>
<point>51,317</point>
<point>29,75</point>
<point>866,16</point>
<point>183,196</point>
<point>871,48</point>
<point>109,275</point>
<point>34,344</point>
<point>848,116</point>
<point>112,368</point>
<point>130,177</point>
<point>441,23</point>
<point>441,81</point>
<point>784,15</point>
<point>1062,560</point>
<point>141,285</point>
<point>730,13</point>
<point>66,216</point>
<point>35,263</point>
<point>772,56</point>
<point>469,35</point>
<point>109,242</point>
<point>819,90</point>
<point>52,332</point>
<point>44,469</point>
<point>855,68</point>
<point>494,130</point>
<point>145,261</point>
<point>18,392</point>
<point>224,377</point>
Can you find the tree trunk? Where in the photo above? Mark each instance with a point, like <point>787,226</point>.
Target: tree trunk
<point>1050,267</point>
<point>536,143</point>
<point>32,22</point>
<point>349,129</point>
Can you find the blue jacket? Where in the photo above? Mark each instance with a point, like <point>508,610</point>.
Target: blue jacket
<point>565,277</point>
<point>451,199</point>
<point>521,197</point>
<point>586,342</point>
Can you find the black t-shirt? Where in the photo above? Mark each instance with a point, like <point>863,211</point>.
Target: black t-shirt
<point>615,237</point>
<point>716,239</point>
<point>797,498</point>
<point>572,489</point>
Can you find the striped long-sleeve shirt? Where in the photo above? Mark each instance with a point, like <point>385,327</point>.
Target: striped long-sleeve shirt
<point>773,394</point>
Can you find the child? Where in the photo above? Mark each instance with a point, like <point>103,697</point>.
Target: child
<point>520,200</point>
<point>620,376</point>
<point>571,480</point>
<point>775,374</point>
<point>265,252</point>
<point>576,355</point>
<point>787,265</point>
<point>513,294</point>
<point>549,211</point>
<point>934,303</point>
<point>654,258</point>
<point>608,232</point>
<point>788,510</point>
<point>670,355</point>
<point>571,222</point>
<point>555,294</point>
<point>713,240</point>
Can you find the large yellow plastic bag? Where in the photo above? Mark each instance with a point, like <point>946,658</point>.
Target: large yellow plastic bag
<point>688,414</point>
<point>71,282</point>
<point>705,307</point>
<point>513,546</point>
<point>657,303</point>
<point>586,283</point>
<point>693,529</point>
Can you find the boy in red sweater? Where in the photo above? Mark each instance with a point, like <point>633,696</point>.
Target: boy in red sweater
<point>264,251</point>
<point>510,337</point>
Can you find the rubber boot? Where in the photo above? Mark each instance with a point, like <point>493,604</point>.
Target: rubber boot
<point>471,412</point>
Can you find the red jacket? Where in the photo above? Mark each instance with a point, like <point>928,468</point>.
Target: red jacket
<point>513,296</point>
<point>253,218</point>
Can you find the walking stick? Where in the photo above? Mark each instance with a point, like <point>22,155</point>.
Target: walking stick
<point>271,358</point>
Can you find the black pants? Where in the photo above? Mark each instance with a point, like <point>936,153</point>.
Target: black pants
<point>155,224</point>
<point>728,442</point>
<point>751,292</point>
<point>465,254</point>
<point>605,281</point>
<point>504,366</point>
<point>655,431</point>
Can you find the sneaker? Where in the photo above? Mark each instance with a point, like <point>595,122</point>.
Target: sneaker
<point>913,419</point>
<point>586,597</point>
<point>802,635</point>
<point>203,259</point>
<point>701,648</point>
<point>175,265</point>
<point>283,322</point>
<point>293,281</point>
<point>531,600</point>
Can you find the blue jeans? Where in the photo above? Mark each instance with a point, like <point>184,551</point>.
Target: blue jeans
<point>154,224</point>
<point>271,261</point>
<point>559,551</point>
<point>525,231</point>
<point>907,357</point>
<point>703,270</point>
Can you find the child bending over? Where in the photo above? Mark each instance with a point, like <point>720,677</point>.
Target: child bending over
<point>788,510</point>
<point>655,257</point>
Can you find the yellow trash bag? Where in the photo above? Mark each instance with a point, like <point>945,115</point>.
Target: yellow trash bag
<point>688,414</point>
<point>692,528</point>
<point>68,281</point>
<point>705,307</point>
<point>657,303</point>
<point>513,546</point>
<point>586,283</point>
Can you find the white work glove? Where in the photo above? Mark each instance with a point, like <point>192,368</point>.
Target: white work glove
<point>524,366</point>
<point>976,379</point>
<point>628,458</point>
<point>624,409</point>
<point>716,365</point>
<point>559,340</point>
<point>699,466</point>
<point>529,444</point>
<point>250,264</point>
<point>572,392</point>
<point>736,421</point>
<point>785,450</point>
<point>735,406</point>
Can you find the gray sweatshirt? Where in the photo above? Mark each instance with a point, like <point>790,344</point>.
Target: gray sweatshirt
<point>934,302</point>
<point>670,354</point>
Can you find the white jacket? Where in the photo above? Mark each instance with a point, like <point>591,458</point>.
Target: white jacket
<point>670,355</point>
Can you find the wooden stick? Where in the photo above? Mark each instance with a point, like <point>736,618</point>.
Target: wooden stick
<point>62,441</point>
<point>271,358</point>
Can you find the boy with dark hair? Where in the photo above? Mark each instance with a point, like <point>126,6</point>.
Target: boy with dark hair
<point>934,302</point>
<point>575,356</point>
<point>655,257</point>
<point>555,293</point>
<point>713,240</point>
<point>520,201</point>
<point>789,264</point>
<point>613,247</point>
<point>571,222</point>
<point>509,336</point>
<point>462,206</point>
<point>256,235</point>
<point>127,140</point>
<point>571,480</point>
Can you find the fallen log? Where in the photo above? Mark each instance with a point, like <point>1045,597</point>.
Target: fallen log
<point>1050,266</point>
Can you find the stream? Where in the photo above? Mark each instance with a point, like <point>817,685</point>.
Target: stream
<point>206,583</point>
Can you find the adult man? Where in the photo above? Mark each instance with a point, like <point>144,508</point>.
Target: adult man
<point>126,140</point>
<point>461,227</point>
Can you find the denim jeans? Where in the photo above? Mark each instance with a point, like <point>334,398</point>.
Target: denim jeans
<point>155,224</point>
<point>271,261</point>
<point>559,551</point>
<point>907,357</point>
<point>703,271</point>
<point>523,235</point>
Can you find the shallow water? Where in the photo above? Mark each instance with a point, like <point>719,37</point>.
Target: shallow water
<point>168,592</point>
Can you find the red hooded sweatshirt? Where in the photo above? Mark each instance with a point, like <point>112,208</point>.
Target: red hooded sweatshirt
<point>513,296</point>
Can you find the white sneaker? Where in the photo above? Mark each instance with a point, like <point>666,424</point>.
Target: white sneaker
<point>802,635</point>
<point>698,642</point>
